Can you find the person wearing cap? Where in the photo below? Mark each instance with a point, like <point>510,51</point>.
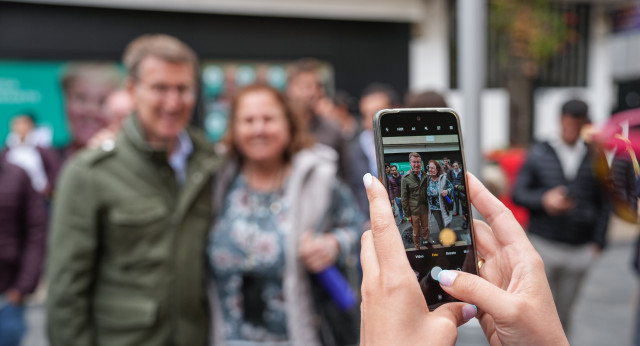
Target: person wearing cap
<point>569,213</point>
<point>126,252</point>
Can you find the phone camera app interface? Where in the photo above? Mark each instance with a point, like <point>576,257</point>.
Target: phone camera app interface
<point>427,191</point>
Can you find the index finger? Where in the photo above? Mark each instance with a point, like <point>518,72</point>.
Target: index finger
<point>386,236</point>
<point>505,227</point>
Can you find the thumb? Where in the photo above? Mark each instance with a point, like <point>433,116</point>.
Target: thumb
<point>475,290</point>
<point>386,236</point>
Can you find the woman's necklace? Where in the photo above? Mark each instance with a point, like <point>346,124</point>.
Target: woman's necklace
<point>271,187</point>
<point>266,183</point>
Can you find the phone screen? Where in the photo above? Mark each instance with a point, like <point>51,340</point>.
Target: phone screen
<point>420,153</point>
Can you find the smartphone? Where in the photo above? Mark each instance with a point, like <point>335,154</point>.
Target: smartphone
<point>417,150</point>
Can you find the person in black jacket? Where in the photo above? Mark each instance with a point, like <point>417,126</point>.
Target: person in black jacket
<point>569,213</point>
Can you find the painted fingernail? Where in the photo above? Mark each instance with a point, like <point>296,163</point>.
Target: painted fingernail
<point>446,277</point>
<point>367,179</point>
<point>469,311</point>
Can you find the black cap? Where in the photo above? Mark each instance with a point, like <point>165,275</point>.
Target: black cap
<point>575,108</point>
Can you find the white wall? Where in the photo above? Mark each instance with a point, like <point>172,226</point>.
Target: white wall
<point>625,55</point>
<point>429,49</point>
<point>495,117</point>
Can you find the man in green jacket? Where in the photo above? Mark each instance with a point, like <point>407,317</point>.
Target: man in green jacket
<point>126,250</point>
<point>414,199</point>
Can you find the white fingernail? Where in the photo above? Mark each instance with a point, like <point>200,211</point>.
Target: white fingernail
<point>447,277</point>
<point>367,179</point>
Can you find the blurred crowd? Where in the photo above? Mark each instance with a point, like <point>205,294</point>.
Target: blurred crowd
<point>142,232</point>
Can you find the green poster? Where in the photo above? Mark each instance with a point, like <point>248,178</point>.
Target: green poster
<point>33,87</point>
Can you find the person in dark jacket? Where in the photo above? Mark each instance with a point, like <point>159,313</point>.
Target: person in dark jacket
<point>375,97</point>
<point>304,90</point>
<point>569,213</point>
<point>22,240</point>
<point>395,190</point>
<point>456,177</point>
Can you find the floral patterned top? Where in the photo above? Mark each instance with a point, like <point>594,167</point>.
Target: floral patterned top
<point>246,253</point>
<point>433,191</point>
<point>247,259</point>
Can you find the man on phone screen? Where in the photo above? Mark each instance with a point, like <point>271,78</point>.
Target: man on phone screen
<point>414,200</point>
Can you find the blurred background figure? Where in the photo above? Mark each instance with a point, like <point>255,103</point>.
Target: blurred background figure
<point>456,177</point>
<point>117,107</point>
<point>569,213</point>
<point>362,151</point>
<point>86,87</point>
<point>305,90</point>
<point>500,175</point>
<point>338,110</point>
<point>41,163</point>
<point>22,239</point>
<point>425,99</point>
<point>446,166</point>
<point>283,213</point>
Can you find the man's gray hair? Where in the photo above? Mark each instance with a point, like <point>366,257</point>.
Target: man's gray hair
<point>414,154</point>
<point>161,46</point>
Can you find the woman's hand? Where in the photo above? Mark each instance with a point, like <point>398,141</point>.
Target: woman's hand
<point>444,193</point>
<point>318,253</point>
<point>394,311</point>
<point>512,294</point>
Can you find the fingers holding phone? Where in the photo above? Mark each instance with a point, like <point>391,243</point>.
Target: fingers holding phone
<point>422,142</point>
<point>394,311</point>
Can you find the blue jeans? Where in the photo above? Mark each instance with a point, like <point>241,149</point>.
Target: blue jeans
<point>399,205</point>
<point>12,325</point>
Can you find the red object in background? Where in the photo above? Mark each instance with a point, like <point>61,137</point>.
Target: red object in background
<point>511,160</point>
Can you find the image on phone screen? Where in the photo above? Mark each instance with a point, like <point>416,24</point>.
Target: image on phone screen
<point>425,179</point>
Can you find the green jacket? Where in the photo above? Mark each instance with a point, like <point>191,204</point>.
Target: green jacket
<point>414,194</point>
<point>126,252</point>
